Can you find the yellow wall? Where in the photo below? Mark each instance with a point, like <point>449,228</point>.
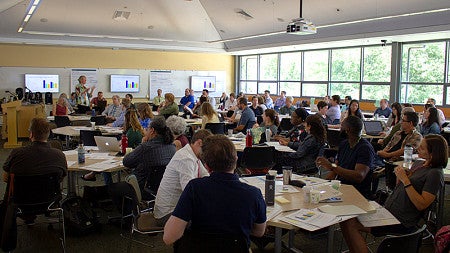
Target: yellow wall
<point>72,57</point>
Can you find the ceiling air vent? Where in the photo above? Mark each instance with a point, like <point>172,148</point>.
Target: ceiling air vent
<point>121,15</point>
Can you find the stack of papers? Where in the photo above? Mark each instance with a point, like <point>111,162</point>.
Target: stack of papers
<point>279,147</point>
<point>272,211</point>
<point>381,217</point>
<point>342,210</point>
<point>310,219</point>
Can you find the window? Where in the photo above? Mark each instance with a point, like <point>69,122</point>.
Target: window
<point>419,93</point>
<point>268,65</point>
<point>290,66</point>
<point>423,63</point>
<point>272,87</point>
<point>248,87</point>
<point>345,89</point>
<point>291,88</point>
<point>316,65</point>
<point>346,64</point>
<point>377,64</point>
<point>375,91</point>
<point>249,68</point>
<point>314,89</point>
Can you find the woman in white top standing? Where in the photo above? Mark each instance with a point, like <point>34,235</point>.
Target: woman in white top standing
<point>208,114</point>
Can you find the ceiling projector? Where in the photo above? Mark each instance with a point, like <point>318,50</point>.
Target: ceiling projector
<point>301,27</point>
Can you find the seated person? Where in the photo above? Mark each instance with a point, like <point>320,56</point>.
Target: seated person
<point>145,115</point>
<point>415,191</point>
<point>126,103</point>
<point>396,127</point>
<point>257,110</point>
<point>197,111</point>
<point>216,196</point>
<point>231,103</point>
<point>407,136</point>
<point>270,121</point>
<point>280,101</point>
<point>353,109</point>
<point>188,101</point>
<point>60,108</point>
<point>431,122</point>
<point>384,109</point>
<point>354,159</point>
<point>99,98</point>
<point>209,115</point>
<point>322,108</point>
<point>288,108</point>
<point>334,111</point>
<point>168,107</point>
<point>113,111</point>
<point>157,100</point>
<point>184,166</point>
<point>178,127</point>
<point>297,133</point>
<point>307,150</point>
<point>247,119</point>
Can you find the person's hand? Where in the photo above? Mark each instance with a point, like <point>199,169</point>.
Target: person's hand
<point>109,124</point>
<point>400,172</point>
<point>324,163</point>
<point>283,142</point>
<point>383,154</point>
<point>255,125</point>
<point>380,141</point>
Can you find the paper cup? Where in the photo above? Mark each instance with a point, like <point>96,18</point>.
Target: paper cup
<point>230,132</point>
<point>128,150</point>
<point>273,173</point>
<point>314,196</point>
<point>93,124</point>
<point>336,184</point>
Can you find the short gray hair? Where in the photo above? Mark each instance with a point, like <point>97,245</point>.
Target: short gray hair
<point>176,124</point>
<point>290,98</point>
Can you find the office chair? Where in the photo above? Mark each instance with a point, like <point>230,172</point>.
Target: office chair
<point>39,194</point>
<point>285,124</point>
<point>153,180</point>
<point>99,120</point>
<point>143,221</point>
<point>259,119</point>
<point>402,243</point>
<point>62,121</point>
<point>87,137</point>
<point>216,128</point>
<point>258,160</point>
<point>333,138</point>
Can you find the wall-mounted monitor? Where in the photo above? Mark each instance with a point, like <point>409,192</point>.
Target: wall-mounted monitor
<point>42,82</point>
<point>199,83</point>
<point>125,83</point>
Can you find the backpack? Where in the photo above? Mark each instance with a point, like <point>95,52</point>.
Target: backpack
<point>79,216</point>
<point>442,240</point>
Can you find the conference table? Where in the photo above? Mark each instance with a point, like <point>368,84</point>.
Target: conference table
<point>74,131</point>
<point>350,196</point>
<point>73,118</point>
<point>95,161</point>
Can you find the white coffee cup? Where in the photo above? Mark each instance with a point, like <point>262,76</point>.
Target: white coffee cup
<point>128,150</point>
<point>336,184</point>
<point>314,196</point>
<point>273,173</point>
<point>188,116</point>
<point>93,124</point>
<point>230,132</point>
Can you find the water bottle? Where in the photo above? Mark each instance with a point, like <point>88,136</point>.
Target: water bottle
<point>249,139</point>
<point>268,134</point>
<point>93,112</point>
<point>287,174</point>
<point>407,156</point>
<point>81,154</point>
<point>124,143</point>
<point>270,190</point>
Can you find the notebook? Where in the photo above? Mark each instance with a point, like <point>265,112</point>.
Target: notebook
<point>373,127</point>
<point>107,144</point>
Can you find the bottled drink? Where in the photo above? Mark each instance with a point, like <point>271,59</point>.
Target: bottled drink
<point>124,143</point>
<point>268,134</point>
<point>270,190</point>
<point>407,156</point>
<point>287,173</point>
<point>249,139</point>
<point>93,112</point>
<point>81,154</point>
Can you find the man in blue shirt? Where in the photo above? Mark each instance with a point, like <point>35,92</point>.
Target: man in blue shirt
<point>384,109</point>
<point>280,102</point>
<point>269,101</point>
<point>188,100</point>
<point>354,160</point>
<point>220,203</point>
<point>247,116</point>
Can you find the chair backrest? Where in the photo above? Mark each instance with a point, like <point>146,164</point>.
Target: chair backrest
<point>258,158</point>
<point>154,178</point>
<point>205,242</point>
<point>99,120</point>
<point>87,137</point>
<point>55,144</point>
<point>34,193</point>
<point>333,138</point>
<point>62,121</point>
<point>132,180</point>
<point>216,128</point>
<point>403,243</point>
<point>391,178</point>
<point>259,119</point>
<point>285,124</point>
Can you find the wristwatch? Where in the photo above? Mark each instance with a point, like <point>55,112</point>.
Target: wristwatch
<point>333,166</point>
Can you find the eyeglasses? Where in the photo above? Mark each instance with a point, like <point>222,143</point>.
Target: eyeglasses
<point>406,120</point>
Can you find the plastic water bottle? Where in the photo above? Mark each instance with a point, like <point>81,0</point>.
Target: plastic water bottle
<point>407,156</point>
<point>93,112</point>
<point>270,190</point>
<point>124,143</point>
<point>268,135</point>
<point>81,154</point>
<point>249,139</point>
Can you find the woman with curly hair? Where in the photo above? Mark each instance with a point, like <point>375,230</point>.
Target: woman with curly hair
<point>208,114</point>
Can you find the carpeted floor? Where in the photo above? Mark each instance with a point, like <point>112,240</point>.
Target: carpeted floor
<point>39,238</point>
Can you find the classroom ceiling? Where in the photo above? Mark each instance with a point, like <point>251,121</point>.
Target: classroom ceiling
<point>222,25</point>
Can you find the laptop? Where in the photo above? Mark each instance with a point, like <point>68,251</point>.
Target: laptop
<point>107,144</point>
<point>373,127</point>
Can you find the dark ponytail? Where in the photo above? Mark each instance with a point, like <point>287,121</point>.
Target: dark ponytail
<point>167,135</point>
<point>159,124</point>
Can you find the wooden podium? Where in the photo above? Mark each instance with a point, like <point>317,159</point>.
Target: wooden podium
<point>17,121</point>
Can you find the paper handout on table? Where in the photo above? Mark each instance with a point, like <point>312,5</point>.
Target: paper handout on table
<point>382,217</point>
<point>272,211</point>
<point>279,147</point>
<point>310,181</point>
<point>341,209</point>
<point>98,155</point>
<point>310,219</point>
<point>327,192</point>
<point>102,166</point>
<point>70,152</point>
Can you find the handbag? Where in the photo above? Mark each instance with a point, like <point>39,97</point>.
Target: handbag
<point>8,224</point>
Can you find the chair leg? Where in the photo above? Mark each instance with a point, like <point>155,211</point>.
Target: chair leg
<point>63,230</point>
<point>130,241</point>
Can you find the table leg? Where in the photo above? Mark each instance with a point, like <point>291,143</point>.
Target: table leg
<point>330,245</point>
<point>278,242</point>
<point>71,183</point>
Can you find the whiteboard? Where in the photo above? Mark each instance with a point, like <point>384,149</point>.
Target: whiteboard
<point>176,81</point>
